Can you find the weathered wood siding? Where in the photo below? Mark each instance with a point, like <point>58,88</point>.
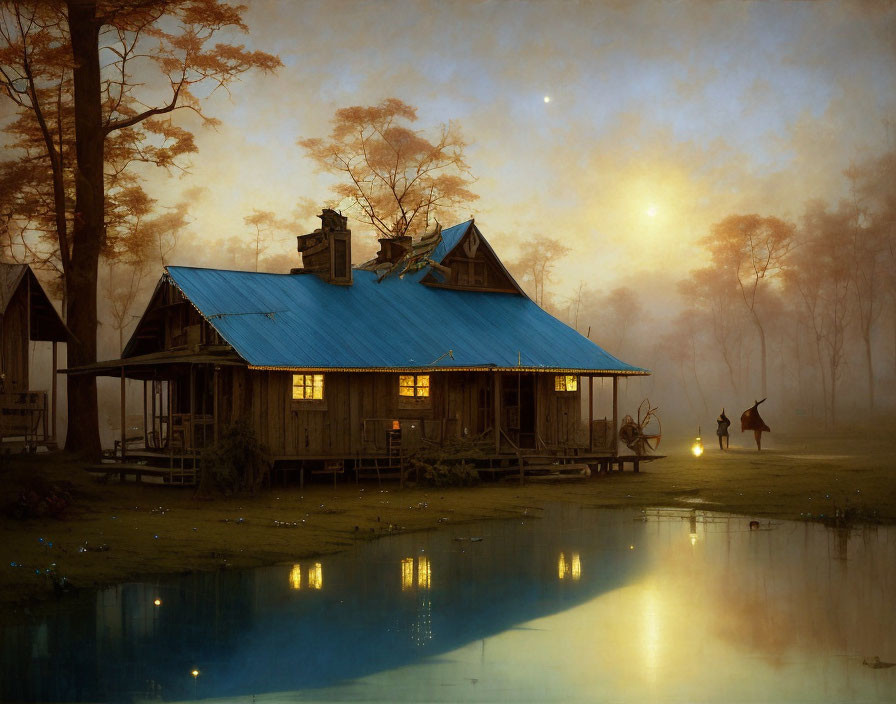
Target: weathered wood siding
<point>358,408</point>
<point>14,342</point>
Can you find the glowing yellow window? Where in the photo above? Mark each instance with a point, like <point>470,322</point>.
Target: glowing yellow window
<point>307,386</point>
<point>566,383</point>
<point>413,385</point>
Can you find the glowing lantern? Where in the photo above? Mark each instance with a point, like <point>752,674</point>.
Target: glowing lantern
<point>697,447</point>
<point>157,602</point>
<point>195,673</point>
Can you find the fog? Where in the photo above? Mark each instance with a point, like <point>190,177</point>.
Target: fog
<point>663,119</point>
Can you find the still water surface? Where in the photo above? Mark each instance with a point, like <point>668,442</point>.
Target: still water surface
<point>576,605</point>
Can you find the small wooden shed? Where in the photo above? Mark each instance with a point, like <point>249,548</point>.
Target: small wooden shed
<point>26,316</point>
<point>430,345</point>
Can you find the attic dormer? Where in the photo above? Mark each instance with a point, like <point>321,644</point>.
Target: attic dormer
<point>327,252</point>
<point>471,264</point>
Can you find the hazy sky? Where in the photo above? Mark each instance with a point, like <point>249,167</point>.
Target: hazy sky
<point>663,117</point>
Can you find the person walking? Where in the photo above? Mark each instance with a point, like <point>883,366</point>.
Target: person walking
<point>722,430</point>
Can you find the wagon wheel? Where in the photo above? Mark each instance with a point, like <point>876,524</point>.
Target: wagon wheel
<point>650,426</point>
<point>630,433</point>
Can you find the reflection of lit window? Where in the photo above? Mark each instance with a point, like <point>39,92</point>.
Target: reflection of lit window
<point>566,383</point>
<point>569,570</point>
<point>307,386</point>
<point>413,385</point>
<point>423,573</point>
<point>407,573</point>
<point>315,576</point>
<point>423,570</point>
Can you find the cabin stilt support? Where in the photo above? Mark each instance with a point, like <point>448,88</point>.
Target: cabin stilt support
<point>124,427</point>
<point>614,440</point>
<point>590,413</point>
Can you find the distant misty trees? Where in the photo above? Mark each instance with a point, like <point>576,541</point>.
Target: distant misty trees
<point>821,288</point>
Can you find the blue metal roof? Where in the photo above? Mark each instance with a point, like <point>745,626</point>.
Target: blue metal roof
<point>450,237</point>
<point>300,321</point>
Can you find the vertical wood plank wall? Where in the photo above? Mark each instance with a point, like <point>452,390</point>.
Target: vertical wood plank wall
<point>461,404</point>
<point>14,342</point>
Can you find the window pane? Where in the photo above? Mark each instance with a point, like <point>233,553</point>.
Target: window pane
<point>423,380</point>
<point>559,383</point>
<point>405,390</point>
<point>423,391</point>
<point>572,383</point>
<point>406,380</point>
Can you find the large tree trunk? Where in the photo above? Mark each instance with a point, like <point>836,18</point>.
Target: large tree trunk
<point>87,232</point>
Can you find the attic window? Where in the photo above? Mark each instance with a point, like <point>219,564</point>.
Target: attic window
<point>566,383</point>
<point>416,385</point>
<point>307,387</point>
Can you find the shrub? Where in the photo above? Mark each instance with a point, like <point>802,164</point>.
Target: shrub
<point>238,462</point>
<point>446,473</point>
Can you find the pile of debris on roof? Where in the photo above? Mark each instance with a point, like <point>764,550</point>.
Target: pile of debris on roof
<point>403,255</point>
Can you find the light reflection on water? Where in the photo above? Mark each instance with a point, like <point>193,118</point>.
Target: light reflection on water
<point>582,605</point>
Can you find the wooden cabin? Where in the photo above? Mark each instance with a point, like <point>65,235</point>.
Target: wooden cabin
<point>429,346</point>
<point>27,416</point>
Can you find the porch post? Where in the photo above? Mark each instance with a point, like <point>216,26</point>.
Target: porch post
<point>215,404</point>
<point>192,404</point>
<point>123,408</point>
<point>497,393</point>
<point>145,430</point>
<point>614,445</point>
<point>53,383</point>
<point>590,413</point>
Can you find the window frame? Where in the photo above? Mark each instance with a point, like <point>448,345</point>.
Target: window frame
<point>308,403</point>
<point>565,383</point>
<point>417,400</point>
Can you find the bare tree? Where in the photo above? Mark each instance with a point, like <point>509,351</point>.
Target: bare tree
<point>820,269</point>
<point>712,291</point>
<point>750,250</point>
<point>537,263</point>
<point>395,178</point>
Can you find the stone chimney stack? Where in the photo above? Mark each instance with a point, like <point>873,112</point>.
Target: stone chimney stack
<point>327,251</point>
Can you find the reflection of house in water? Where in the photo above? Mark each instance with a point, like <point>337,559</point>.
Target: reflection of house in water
<point>340,369</point>
<point>316,622</point>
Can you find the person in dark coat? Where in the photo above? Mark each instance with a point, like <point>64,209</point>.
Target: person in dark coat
<point>722,430</point>
<point>751,420</point>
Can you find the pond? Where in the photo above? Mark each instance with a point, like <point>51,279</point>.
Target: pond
<point>563,605</point>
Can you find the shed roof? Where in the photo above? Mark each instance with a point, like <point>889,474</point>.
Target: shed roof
<point>46,324</point>
<point>290,321</point>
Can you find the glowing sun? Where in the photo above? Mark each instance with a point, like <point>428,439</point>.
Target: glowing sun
<point>651,211</point>
<point>547,98</point>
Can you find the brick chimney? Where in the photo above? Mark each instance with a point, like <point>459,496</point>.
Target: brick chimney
<point>327,251</point>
